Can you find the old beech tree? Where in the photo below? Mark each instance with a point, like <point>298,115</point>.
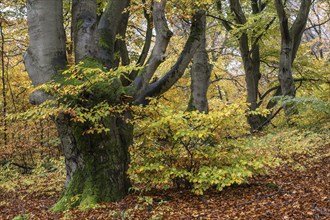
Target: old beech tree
<point>96,164</point>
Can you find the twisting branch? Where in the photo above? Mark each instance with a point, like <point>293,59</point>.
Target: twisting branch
<point>146,47</point>
<point>163,36</point>
<point>177,70</point>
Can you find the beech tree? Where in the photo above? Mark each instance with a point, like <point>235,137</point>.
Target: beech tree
<point>200,75</point>
<point>3,81</point>
<point>96,164</point>
<point>249,49</point>
<point>290,41</point>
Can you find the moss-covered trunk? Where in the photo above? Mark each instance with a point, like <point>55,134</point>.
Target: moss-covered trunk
<point>96,163</point>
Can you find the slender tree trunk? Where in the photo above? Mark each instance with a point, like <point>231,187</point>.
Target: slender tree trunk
<point>250,57</point>
<point>252,76</point>
<point>3,80</point>
<point>290,41</point>
<point>285,69</point>
<point>200,75</point>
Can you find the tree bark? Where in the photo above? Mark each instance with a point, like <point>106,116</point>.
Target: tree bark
<point>250,57</point>
<point>96,163</point>
<point>107,29</point>
<point>171,77</point>
<point>200,75</point>
<point>290,41</point>
<point>84,22</point>
<point>46,53</point>
<point>163,36</point>
<point>3,81</point>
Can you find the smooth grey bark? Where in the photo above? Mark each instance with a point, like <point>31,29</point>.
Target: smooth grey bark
<point>107,29</point>
<point>174,74</point>
<point>200,75</point>
<point>163,36</point>
<point>84,22</point>
<point>46,53</point>
<point>290,41</point>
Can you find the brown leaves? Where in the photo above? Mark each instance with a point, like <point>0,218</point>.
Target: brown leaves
<point>283,194</point>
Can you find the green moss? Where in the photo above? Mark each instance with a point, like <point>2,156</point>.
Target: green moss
<point>104,42</point>
<point>107,90</point>
<point>89,79</point>
<point>22,217</point>
<point>79,24</point>
<point>93,183</point>
<point>86,190</point>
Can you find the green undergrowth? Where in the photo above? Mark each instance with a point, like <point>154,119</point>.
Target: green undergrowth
<point>193,150</point>
<point>46,179</point>
<point>199,151</point>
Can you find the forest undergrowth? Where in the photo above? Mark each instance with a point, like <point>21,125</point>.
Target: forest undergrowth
<point>297,187</point>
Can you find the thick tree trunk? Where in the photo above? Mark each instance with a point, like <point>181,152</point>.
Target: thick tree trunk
<point>200,75</point>
<point>96,163</point>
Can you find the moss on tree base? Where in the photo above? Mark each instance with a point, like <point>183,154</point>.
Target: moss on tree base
<point>97,162</point>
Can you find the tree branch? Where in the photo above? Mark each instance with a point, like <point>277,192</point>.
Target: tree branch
<point>163,36</point>
<point>177,70</point>
<point>147,43</point>
<point>225,22</point>
<point>107,30</point>
<point>299,25</point>
<point>284,23</point>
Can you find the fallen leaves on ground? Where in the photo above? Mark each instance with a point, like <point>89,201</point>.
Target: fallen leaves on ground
<point>284,193</point>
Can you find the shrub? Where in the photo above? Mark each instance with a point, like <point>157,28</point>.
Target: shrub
<point>191,149</point>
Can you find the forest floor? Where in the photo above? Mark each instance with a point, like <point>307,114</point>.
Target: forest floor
<point>284,193</point>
